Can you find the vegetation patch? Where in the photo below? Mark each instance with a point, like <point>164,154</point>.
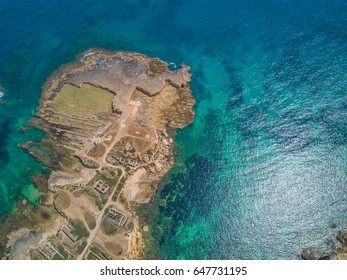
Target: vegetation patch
<point>114,247</point>
<point>99,252</point>
<point>62,201</point>
<point>92,257</point>
<point>109,229</point>
<point>94,195</point>
<point>63,252</point>
<point>84,101</point>
<point>89,220</point>
<point>35,255</point>
<point>79,229</point>
<point>97,151</point>
<point>57,257</point>
<point>81,247</point>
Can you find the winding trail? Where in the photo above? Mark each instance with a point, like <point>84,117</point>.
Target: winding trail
<point>98,221</point>
<point>109,201</point>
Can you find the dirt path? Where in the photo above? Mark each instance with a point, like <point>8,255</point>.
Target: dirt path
<point>97,224</point>
<point>120,132</point>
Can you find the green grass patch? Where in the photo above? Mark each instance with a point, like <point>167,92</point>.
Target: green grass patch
<point>97,151</point>
<point>95,196</point>
<point>57,257</point>
<point>79,229</point>
<point>110,230</point>
<point>85,101</point>
<point>81,247</point>
<point>35,255</point>
<point>62,251</point>
<point>92,257</point>
<point>122,198</point>
<point>119,189</point>
<point>111,182</point>
<point>101,254</point>
<point>89,220</point>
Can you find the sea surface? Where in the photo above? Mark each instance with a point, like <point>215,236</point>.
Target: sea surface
<point>262,172</point>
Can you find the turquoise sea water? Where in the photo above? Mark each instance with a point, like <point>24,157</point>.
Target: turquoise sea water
<point>262,171</point>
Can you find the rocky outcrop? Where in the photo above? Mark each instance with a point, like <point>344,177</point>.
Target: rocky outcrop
<point>342,238</point>
<point>88,163</point>
<point>338,250</point>
<point>312,254</point>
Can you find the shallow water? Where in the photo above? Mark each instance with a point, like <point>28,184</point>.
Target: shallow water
<point>262,171</point>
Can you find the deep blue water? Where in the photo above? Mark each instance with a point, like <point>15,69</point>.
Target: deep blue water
<point>262,171</point>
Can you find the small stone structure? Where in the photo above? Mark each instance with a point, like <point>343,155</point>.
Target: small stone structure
<point>67,229</point>
<point>114,217</point>
<point>101,187</point>
<point>47,251</point>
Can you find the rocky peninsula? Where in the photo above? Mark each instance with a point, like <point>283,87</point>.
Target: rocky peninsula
<point>109,121</point>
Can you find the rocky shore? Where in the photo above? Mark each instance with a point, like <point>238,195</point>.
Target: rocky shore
<point>107,119</point>
<point>338,250</point>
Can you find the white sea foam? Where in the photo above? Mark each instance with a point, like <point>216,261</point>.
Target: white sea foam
<point>173,65</point>
<point>1,94</point>
<point>86,55</point>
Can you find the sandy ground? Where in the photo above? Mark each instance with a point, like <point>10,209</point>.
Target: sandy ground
<point>132,187</point>
<point>79,206</point>
<point>136,244</point>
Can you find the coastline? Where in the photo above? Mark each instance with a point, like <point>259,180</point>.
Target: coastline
<point>96,156</point>
<point>338,249</point>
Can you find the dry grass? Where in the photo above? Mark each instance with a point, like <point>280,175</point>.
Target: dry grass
<point>62,201</point>
<point>141,145</point>
<point>97,151</point>
<point>114,248</point>
<point>141,132</point>
<point>90,220</point>
<point>84,101</point>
